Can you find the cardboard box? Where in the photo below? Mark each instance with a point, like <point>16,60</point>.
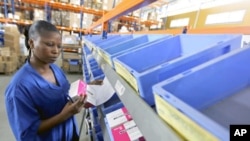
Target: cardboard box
<point>127,132</point>
<point>5,51</point>
<point>14,37</point>
<point>2,66</point>
<point>56,17</point>
<point>118,117</point>
<point>65,65</point>
<point>11,28</point>
<point>14,46</point>
<point>10,67</point>
<point>75,2</point>
<point>64,1</point>
<point>77,88</point>
<point>65,18</point>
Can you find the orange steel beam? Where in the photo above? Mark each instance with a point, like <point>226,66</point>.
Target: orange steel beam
<point>18,7</point>
<point>28,22</point>
<point>229,30</point>
<point>65,6</point>
<point>219,30</point>
<point>125,5</point>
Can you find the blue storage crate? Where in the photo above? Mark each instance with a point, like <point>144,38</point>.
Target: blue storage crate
<point>91,44</point>
<point>116,41</point>
<point>95,121</point>
<point>103,41</point>
<point>73,62</point>
<point>155,62</point>
<point>128,45</point>
<point>204,102</point>
<point>111,105</point>
<point>99,136</point>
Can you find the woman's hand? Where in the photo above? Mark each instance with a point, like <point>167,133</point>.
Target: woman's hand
<point>71,109</point>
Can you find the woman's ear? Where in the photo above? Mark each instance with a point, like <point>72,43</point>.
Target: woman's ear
<point>31,43</point>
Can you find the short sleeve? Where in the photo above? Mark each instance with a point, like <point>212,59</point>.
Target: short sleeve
<point>22,113</point>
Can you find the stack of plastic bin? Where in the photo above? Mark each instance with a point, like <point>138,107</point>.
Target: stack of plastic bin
<point>129,45</point>
<point>203,103</point>
<point>115,41</point>
<point>93,69</point>
<point>144,67</point>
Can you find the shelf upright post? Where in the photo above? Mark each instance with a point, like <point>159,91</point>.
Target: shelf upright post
<point>13,8</point>
<point>81,18</point>
<point>5,8</point>
<point>47,10</point>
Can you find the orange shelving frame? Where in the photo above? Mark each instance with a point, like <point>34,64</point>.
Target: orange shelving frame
<point>28,22</point>
<point>218,30</point>
<point>65,6</point>
<point>18,7</point>
<point>125,5</point>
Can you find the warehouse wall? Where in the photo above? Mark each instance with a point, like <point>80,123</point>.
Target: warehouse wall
<point>244,5</point>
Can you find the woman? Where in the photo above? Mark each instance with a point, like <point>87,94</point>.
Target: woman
<point>36,98</point>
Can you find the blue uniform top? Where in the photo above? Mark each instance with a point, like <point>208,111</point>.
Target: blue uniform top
<point>30,98</point>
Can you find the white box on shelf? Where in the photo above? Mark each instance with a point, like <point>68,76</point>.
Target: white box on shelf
<point>127,132</point>
<point>118,117</point>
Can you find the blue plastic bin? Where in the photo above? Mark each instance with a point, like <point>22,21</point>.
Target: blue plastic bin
<point>111,105</point>
<point>92,44</point>
<point>115,41</point>
<point>126,46</point>
<point>211,96</point>
<point>99,136</point>
<point>95,121</point>
<point>144,67</point>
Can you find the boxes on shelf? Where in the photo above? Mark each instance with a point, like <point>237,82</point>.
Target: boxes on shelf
<point>111,105</point>
<point>56,17</point>
<point>70,40</point>
<point>169,57</point>
<point>65,18</point>
<point>118,117</point>
<point>69,55</point>
<point>203,103</point>
<point>5,51</point>
<point>129,45</point>
<point>75,2</point>
<point>11,28</point>
<point>127,132</point>
<point>63,1</point>
<point>8,62</point>
<point>75,20</point>
<point>12,38</point>
<point>39,15</point>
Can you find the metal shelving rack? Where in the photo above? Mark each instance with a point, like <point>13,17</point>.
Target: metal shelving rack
<point>74,53</point>
<point>149,123</point>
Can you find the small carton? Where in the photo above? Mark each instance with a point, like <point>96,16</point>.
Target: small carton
<point>127,132</point>
<point>118,117</point>
<point>77,89</point>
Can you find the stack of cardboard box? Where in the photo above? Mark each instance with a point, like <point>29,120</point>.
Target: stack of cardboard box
<point>8,60</point>
<point>71,54</point>
<point>12,38</point>
<point>10,55</point>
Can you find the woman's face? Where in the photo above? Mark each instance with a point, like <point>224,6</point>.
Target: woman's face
<point>47,48</point>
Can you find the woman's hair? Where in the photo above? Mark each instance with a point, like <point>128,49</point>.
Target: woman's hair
<point>38,28</point>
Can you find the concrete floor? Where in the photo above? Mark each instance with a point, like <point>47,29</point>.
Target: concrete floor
<point>5,131</point>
